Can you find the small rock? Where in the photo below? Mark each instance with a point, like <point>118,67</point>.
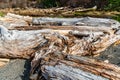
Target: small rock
<point>106,61</point>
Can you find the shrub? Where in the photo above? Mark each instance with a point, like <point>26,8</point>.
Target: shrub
<point>113,5</point>
<point>117,17</point>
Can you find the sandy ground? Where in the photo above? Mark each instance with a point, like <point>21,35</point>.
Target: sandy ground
<point>111,54</point>
<point>15,70</point>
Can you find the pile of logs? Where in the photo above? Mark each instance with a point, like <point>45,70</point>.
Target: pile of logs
<point>59,47</point>
<point>62,12</point>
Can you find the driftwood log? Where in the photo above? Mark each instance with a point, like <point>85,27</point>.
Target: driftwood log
<point>59,52</point>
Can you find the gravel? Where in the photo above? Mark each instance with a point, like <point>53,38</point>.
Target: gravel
<point>17,69</point>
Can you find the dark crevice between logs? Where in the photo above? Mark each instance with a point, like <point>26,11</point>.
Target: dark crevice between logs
<point>36,71</point>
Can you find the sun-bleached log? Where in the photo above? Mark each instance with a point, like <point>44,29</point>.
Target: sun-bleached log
<point>73,67</point>
<point>15,16</point>
<point>63,72</point>
<point>23,43</point>
<point>86,21</point>
<point>10,21</point>
<point>20,44</point>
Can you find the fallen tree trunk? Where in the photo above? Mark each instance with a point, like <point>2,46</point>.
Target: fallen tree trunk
<point>86,21</point>
<point>11,21</point>
<point>74,68</point>
<point>15,44</point>
<point>19,48</point>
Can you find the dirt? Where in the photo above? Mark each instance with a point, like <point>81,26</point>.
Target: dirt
<point>17,69</point>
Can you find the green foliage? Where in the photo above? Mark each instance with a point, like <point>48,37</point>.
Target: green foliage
<point>1,14</point>
<point>117,17</point>
<point>113,5</point>
<point>49,3</point>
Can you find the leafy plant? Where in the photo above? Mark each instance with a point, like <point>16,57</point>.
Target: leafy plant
<point>117,17</point>
<point>113,5</point>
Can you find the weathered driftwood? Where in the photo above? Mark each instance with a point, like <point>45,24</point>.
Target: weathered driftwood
<point>3,61</point>
<point>25,18</point>
<point>96,41</point>
<point>19,44</point>
<point>86,21</point>
<point>105,35</point>
<point>23,44</point>
<point>53,61</point>
<point>10,21</point>
<point>57,50</point>
<point>102,69</point>
<point>73,68</point>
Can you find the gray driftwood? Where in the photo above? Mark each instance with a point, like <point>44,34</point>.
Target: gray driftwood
<point>58,51</point>
<point>86,21</point>
<point>50,48</point>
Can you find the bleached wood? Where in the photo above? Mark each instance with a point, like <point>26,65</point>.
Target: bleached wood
<point>17,39</point>
<point>76,68</point>
<point>85,21</point>
<point>20,44</point>
<point>15,16</point>
<point>64,72</point>
<point>55,49</point>
<point>3,61</point>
